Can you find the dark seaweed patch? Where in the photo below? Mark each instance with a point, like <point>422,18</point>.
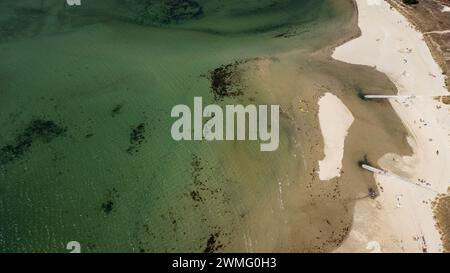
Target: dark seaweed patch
<point>196,196</point>
<point>226,81</point>
<point>213,244</point>
<point>338,236</point>
<point>202,191</point>
<point>206,194</point>
<point>108,205</point>
<point>44,130</point>
<point>116,110</point>
<point>137,137</point>
<point>196,170</point>
<point>157,12</point>
<point>198,182</point>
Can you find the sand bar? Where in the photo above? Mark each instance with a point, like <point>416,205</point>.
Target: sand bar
<point>335,120</point>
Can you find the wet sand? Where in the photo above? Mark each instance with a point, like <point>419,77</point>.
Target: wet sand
<point>306,214</point>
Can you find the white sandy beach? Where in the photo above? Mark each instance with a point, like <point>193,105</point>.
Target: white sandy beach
<point>401,218</point>
<point>335,119</point>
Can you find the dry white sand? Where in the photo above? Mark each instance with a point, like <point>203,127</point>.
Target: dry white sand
<point>335,119</point>
<point>401,219</point>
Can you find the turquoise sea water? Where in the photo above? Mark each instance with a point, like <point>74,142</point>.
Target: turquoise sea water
<point>85,98</point>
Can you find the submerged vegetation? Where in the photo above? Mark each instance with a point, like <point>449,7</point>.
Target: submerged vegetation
<point>280,17</point>
<point>226,80</point>
<point>108,206</point>
<point>154,12</point>
<point>44,130</point>
<point>22,21</point>
<point>213,245</point>
<point>137,137</point>
<point>116,110</point>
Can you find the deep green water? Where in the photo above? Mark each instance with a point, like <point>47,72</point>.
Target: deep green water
<point>104,170</point>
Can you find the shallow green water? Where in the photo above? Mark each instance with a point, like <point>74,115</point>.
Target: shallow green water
<point>99,71</point>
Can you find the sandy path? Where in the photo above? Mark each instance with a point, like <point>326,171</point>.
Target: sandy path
<point>401,218</point>
<point>335,120</point>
